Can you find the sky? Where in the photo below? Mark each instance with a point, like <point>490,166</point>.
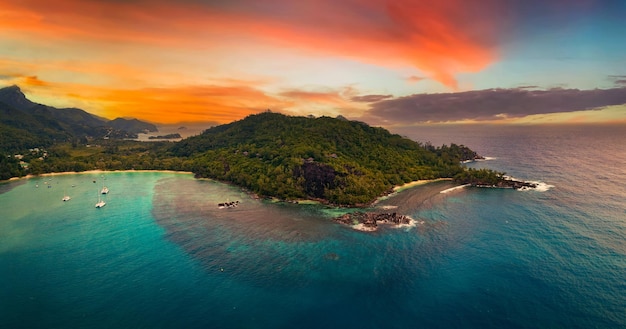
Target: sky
<point>391,63</point>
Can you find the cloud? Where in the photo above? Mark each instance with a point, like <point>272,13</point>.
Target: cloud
<point>414,79</point>
<point>618,80</point>
<point>188,103</point>
<point>490,104</point>
<point>441,38</point>
<point>370,98</point>
<point>33,80</point>
<point>326,102</point>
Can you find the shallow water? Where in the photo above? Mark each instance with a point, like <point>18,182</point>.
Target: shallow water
<point>161,254</point>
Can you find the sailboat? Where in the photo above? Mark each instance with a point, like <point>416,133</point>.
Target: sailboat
<point>65,197</point>
<point>100,203</point>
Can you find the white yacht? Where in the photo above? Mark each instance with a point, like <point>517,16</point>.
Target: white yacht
<point>100,203</point>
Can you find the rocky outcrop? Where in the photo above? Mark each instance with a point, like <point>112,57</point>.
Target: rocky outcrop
<point>508,183</point>
<point>371,220</point>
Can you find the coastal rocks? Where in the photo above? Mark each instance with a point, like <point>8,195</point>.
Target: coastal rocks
<point>228,204</point>
<point>509,183</point>
<point>370,221</point>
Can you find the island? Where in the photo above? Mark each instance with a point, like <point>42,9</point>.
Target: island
<point>168,136</point>
<point>334,161</point>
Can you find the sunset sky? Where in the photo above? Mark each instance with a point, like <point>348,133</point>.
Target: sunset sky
<point>385,62</point>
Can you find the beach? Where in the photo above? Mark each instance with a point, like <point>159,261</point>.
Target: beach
<point>97,171</point>
<point>408,199</point>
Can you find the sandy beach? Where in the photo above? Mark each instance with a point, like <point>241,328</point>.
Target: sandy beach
<point>409,198</point>
<point>418,183</point>
<point>95,172</point>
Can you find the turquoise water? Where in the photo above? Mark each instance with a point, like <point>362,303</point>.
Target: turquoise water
<point>160,254</point>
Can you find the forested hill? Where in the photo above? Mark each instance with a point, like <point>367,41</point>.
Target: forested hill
<point>25,124</point>
<point>336,160</point>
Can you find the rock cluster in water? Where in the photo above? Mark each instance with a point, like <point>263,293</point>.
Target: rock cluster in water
<point>371,220</point>
<point>228,204</point>
<point>509,183</point>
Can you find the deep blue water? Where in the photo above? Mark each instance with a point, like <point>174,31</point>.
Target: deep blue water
<point>161,255</point>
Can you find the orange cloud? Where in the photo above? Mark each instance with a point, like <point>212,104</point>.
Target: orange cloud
<point>34,81</point>
<point>193,103</point>
<point>441,38</point>
<point>329,102</point>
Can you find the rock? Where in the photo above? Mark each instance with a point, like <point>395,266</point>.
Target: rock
<point>371,220</point>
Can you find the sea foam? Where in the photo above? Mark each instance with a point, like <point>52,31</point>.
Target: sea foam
<point>454,188</point>
<point>539,186</point>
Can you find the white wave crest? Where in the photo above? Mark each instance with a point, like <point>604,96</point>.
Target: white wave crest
<point>454,188</point>
<point>477,160</point>
<point>539,185</point>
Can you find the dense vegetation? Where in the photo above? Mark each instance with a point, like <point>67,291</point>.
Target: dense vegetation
<point>341,161</point>
<point>330,159</point>
<point>25,124</point>
<point>479,177</point>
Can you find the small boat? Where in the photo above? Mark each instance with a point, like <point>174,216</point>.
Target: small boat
<point>66,197</point>
<point>100,203</point>
<point>105,190</point>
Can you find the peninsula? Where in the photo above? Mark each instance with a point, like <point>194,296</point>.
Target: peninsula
<point>331,160</point>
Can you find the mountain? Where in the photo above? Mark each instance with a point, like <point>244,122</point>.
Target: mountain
<point>330,159</point>
<point>26,124</point>
<point>132,125</point>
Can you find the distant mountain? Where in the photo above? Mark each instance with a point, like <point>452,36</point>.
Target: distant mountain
<point>132,125</point>
<point>26,124</point>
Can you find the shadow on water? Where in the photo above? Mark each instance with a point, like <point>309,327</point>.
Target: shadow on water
<point>7,186</point>
<point>286,246</point>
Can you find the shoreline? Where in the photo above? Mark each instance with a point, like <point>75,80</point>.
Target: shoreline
<point>96,171</point>
<point>405,200</point>
<point>399,188</point>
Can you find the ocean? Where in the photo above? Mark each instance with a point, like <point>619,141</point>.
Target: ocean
<point>161,254</point>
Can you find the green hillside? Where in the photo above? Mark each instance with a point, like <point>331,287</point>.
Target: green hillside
<point>25,124</point>
<point>336,160</point>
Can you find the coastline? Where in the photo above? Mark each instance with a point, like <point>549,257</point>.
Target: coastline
<point>97,171</point>
<point>405,200</point>
<point>399,188</point>
<point>415,183</point>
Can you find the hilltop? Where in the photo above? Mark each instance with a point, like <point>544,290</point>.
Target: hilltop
<point>333,160</point>
<point>25,124</point>
<point>330,159</point>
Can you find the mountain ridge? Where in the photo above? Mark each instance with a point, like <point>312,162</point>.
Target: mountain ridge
<point>43,125</point>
